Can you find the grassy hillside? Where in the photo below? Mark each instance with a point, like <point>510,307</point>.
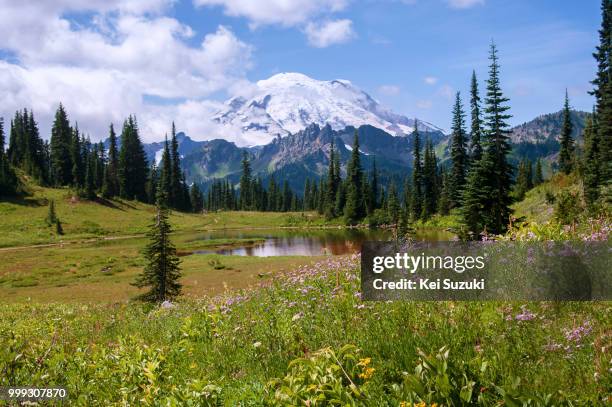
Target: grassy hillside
<point>22,220</point>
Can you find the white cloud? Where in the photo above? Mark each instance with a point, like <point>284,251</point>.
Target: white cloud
<point>329,33</point>
<point>424,104</point>
<point>389,90</point>
<point>430,80</point>
<point>284,12</point>
<point>465,3</point>
<point>103,71</point>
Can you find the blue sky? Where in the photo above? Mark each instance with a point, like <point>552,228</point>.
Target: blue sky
<point>411,55</point>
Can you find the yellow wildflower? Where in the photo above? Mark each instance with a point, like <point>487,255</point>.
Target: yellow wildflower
<point>367,373</point>
<point>364,362</point>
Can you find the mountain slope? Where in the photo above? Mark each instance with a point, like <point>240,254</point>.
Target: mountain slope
<point>289,102</point>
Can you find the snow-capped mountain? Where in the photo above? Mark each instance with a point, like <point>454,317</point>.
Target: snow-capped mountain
<point>289,102</point>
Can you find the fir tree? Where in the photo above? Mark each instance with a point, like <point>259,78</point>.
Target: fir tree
<point>152,184</point>
<point>476,122</point>
<point>8,178</point>
<point>494,162</point>
<point>197,199</point>
<point>175,198</point>
<point>373,196</point>
<point>89,178</point>
<point>330,194</point>
<point>430,187</point>
<point>416,204</point>
<point>458,154</point>
<point>133,167</point>
<point>61,138</point>
<point>77,156</point>
<point>354,210</point>
<point>538,178</point>
<point>566,142</point>
<point>444,204</point>
<point>590,165</point>
<point>523,180</point>
<point>112,179</point>
<point>393,205</point>
<point>162,273</point>
<point>245,183</point>
<point>603,94</point>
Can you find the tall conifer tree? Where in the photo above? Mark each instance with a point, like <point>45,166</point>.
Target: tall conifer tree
<point>566,142</point>
<point>416,203</point>
<point>476,121</point>
<point>458,153</point>
<point>61,137</point>
<point>354,210</point>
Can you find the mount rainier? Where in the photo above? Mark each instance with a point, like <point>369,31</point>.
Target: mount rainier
<point>289,102</point>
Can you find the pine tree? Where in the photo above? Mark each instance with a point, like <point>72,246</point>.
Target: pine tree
<point>393,205</point>
<point>61,140</point>
<point>162,273</point>
<point>538,178</point>
<point>175,198</point>
<point>430,187</point>
<point>523,180</point>
<point>458,154</point>
<point>494,162</point>
<point>566,142</point>
<point>475,197</point>
<point>603,94</point>
<point>8,178</point>
<point>416,203</point>
<point>78,158</point>
<point>354,210</point>
<point>476,124</point>
<point>373,196</point>
<point>590,165</point>
<point>197,199</point>
<point>245,183</point>
<point>133,167</point>
<point>152,184</point>
<point>112,187</point>
<point>89,177</point>
<point>444,204</point>
<point>330,193</point>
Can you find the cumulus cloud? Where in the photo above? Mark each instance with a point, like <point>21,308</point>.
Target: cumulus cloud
<point>465,3</point>
<point>283,12</point>
<point>329,33</point>
<point>430,80</point>
<point>389,90</point>
<point>107,68</point>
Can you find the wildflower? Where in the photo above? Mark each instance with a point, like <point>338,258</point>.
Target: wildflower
<point>297,316</point>
<point>364,362</point>
<point>257,344</point>
<point>367,373</point>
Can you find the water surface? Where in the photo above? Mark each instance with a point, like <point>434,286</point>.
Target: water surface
<point>300,242</point>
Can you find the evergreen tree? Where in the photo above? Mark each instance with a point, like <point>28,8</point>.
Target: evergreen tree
<point>341,198</point>
<point>89,177</point>
<point>245,183</point>
<point>186,199</point>
<point>476,125</point>
<point>538,178</point>
<point>444,204</point>
<point>475,196</point>
<point>590,166</point>
<point>165,173</point>
<point>373,196</point>
<point>197,199</point>
<point>60,145</point>
<point>393,205</point>
<point>8,178</point>
<point>152,184</point>
<point>112,188</point>
<point>523,180</point>
<point>495,164</point>
<point>330,193</point>
<point>78,155</point>
<point>133,167</point>
<point>162,273</point>
<point>176,195</point>
<point>458,154</point>
<point>354,210</point>
<point>416,204</point>
<point>430,187</point>
<point>566,142</point>
<point>603,94</point>
<point>307,194</point>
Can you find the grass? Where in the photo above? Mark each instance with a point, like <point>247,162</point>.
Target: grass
<point>302,337</point>
<point>22,220</point>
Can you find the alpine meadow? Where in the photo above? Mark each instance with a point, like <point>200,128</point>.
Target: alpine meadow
<point>175,234</point>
